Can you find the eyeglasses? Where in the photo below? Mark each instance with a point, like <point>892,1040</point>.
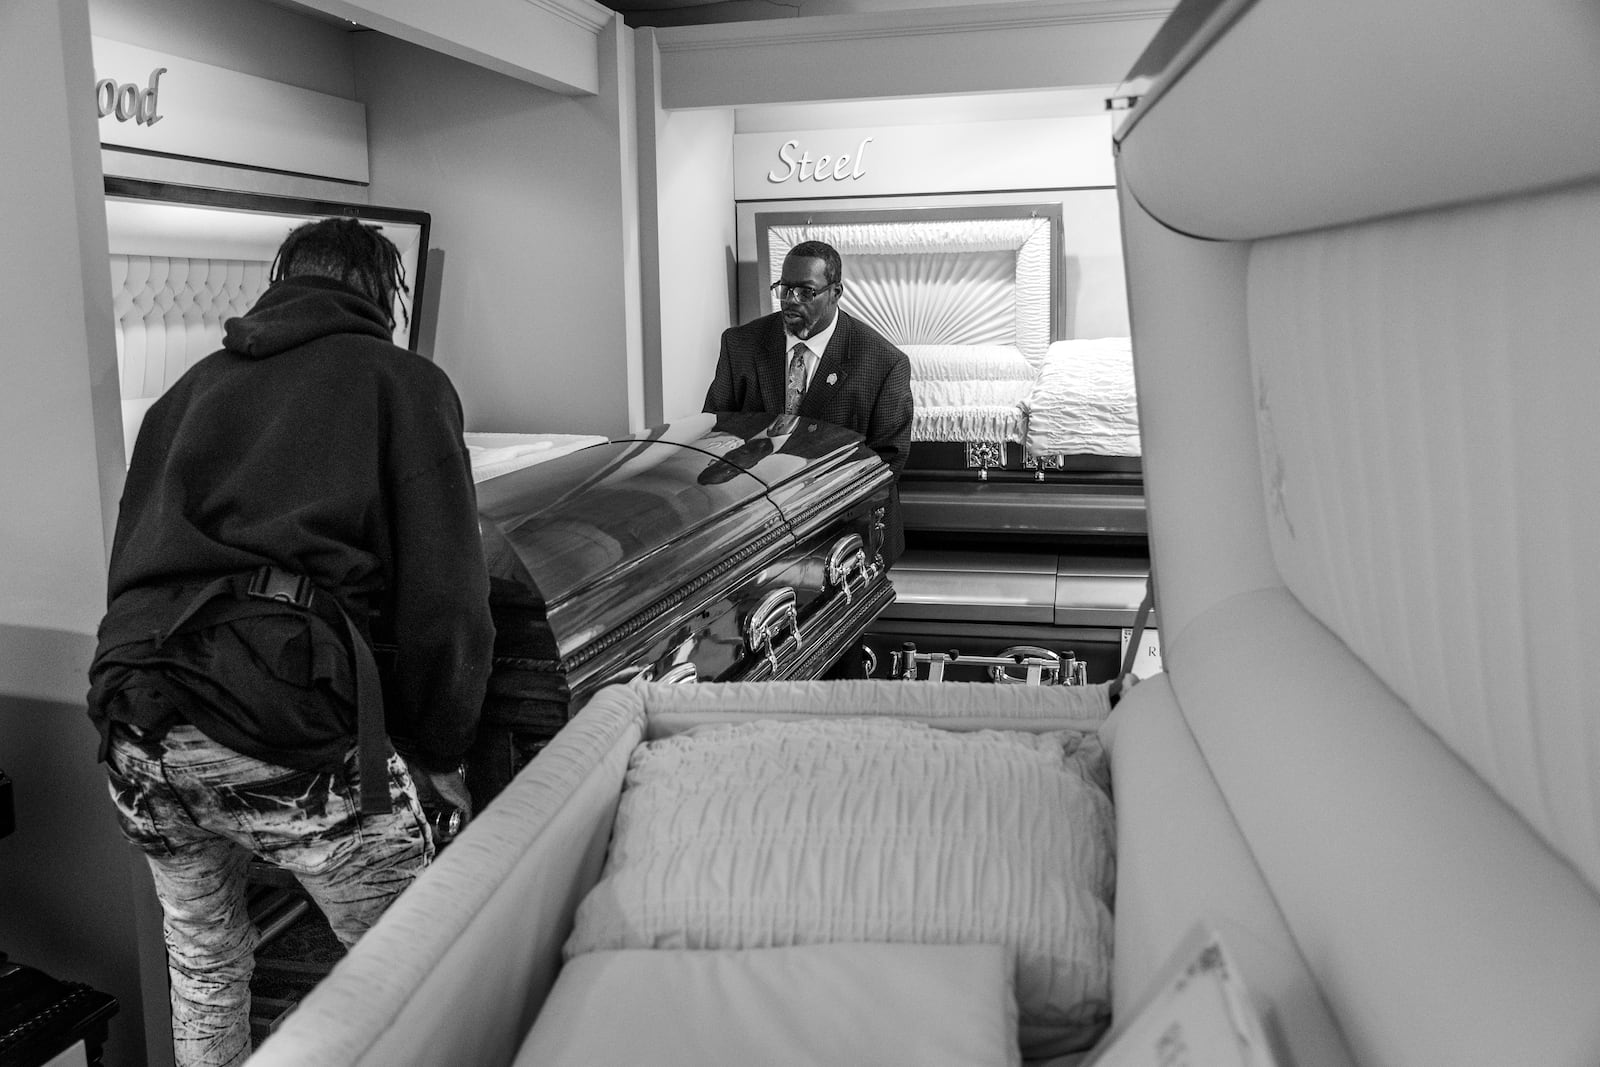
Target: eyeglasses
<point>803,293</point>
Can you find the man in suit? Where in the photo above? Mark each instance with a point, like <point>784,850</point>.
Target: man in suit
<point>812,360</point>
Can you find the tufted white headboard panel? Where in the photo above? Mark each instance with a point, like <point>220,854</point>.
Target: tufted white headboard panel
<point>169,313</point>
<point>1425,394</point>
<point>184,261</point>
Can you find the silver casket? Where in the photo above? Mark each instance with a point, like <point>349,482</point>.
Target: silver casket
<point>714,548</point>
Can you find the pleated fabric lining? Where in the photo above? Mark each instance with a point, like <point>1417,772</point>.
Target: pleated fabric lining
<point>1426,393</point>
<point>949,282</point>
<point>781,833</point>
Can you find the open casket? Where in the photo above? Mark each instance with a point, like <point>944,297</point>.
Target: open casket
<point>1015,377</point>
<point>1023,494</point>
<point>716,547</point>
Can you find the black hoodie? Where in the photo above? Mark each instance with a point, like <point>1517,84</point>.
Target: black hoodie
<point>313,443</point>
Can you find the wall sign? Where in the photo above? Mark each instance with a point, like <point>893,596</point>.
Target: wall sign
<point>1147,660</point>
<point>128,100</point>
<point>1065,153</point>
<point>171,105</point>
<point>799,166</point>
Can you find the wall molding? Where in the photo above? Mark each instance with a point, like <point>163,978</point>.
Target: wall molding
<point>925,22</point>
<point>1034,44</point>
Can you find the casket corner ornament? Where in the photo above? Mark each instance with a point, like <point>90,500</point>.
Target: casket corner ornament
<point>720,547</point>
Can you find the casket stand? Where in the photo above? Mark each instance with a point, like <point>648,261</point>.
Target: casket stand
<point>716,548</point>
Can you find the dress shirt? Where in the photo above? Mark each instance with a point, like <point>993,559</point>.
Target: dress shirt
<point>815,345</point>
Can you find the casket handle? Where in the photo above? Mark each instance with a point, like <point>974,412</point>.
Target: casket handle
<point>847,558</point>
<point>1039,665</point>
<point>680,673</point>
<point>777,609</point>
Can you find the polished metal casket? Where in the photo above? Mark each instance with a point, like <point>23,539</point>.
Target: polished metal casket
<point>715,548</point>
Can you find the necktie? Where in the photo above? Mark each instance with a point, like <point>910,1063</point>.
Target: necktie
<point>797,379</point>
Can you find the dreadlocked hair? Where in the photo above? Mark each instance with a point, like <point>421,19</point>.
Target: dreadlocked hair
<point>349,251</point>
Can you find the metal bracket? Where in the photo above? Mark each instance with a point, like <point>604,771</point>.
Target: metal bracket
<point>1040,666</point>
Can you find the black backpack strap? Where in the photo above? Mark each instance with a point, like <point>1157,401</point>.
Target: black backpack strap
<point>228,585</point>
<point>1137,634</point>
<point>1139,622</point>
<point>372,743</point>
<point>297,591</point>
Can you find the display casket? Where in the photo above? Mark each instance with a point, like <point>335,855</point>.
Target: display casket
<point>715,548</point>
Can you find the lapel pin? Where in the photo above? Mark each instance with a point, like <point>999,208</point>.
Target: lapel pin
<point>833,379</point>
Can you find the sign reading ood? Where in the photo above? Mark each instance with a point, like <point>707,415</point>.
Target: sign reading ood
<point>153,102</point>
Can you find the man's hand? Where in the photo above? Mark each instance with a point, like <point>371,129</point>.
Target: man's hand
<point>440,789</point>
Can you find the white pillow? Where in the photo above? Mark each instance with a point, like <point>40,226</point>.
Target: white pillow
<point>885,1005</point>
<point>1084,402</point>
<point>792,833</point>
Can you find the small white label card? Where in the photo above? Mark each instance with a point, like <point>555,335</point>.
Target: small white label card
<point>1148,659</point>
<point>1198,1014</point>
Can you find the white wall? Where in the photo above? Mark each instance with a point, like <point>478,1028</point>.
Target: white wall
<point>247,36</point>
<point>66,877</point>
<point>530,214</point>
<point>696,239</point>
<point>970,48</point>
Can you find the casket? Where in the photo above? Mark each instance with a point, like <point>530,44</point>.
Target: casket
<point>717,548</point>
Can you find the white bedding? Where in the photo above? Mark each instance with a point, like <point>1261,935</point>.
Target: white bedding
<point>1076,399</point>
<point>1083,402</point>
<point>968,392</point>
<point>768,834</point>
<point>847,1003</point>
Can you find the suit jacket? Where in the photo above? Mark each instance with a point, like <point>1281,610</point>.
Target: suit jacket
<point>862,383</point>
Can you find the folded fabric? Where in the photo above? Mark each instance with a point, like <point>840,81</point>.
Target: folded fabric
<point>864,1003</point>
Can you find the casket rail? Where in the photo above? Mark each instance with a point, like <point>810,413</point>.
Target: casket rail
<point>713,548</point>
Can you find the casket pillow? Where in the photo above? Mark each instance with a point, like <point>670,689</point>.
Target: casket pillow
<point>798,1006</point>
<point>1084,401</point>
<point>773,833</point>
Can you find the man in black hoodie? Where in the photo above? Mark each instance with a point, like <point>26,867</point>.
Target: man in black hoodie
<point>291,491</point>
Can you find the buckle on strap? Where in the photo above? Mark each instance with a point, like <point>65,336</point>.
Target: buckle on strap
<point>270,583</point>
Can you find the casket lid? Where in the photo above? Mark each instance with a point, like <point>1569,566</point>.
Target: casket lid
<point>605,538</point>
<point>800,462</point>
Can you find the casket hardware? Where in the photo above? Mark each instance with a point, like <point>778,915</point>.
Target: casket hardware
<point>679,673</point>
<point>1041,666</point>
<point>848,559</point>
<point>778,608</point>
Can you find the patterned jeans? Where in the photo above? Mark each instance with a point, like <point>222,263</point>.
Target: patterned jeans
<point>199,811</point>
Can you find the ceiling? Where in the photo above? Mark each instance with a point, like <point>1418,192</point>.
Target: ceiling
<point>699,12</point>
<point>703,12</point>
<point>904,111</point>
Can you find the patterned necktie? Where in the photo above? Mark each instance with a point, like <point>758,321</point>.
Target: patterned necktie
<point>797,379</point>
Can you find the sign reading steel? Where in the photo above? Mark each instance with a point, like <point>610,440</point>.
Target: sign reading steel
<point>804,169</point>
